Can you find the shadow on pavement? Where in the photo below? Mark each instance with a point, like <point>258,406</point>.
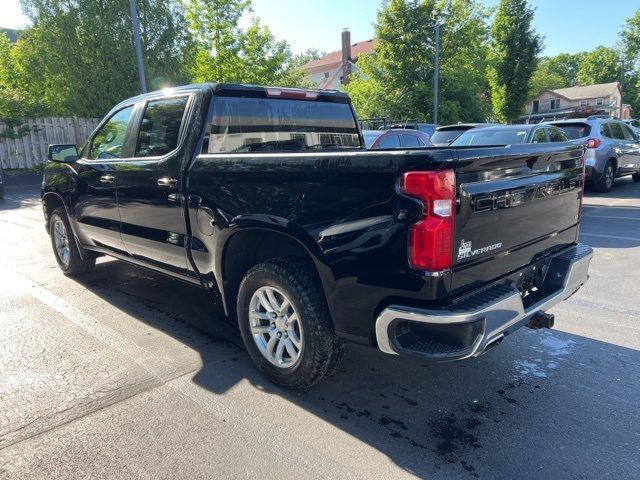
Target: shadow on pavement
<point>546,404</point>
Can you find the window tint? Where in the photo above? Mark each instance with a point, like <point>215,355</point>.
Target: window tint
<point>604,130</point>
<point>109,140</point>
<point>616,131</point>
<point>575,130</point>
<point>160,127</point>
<point>628,134</point>
<point>496,136</point>
<point>389,141</point>
<point>410,141</point>
<point>539,136</point>
<point>279,125</point>
<point>446,136</point>
<point>557,135</point>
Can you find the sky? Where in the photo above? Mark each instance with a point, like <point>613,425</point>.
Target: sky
<point>567,25</point>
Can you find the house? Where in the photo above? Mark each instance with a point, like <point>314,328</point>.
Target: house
<point>333,69</point>
<point>578,101</point>
<point>11,34</point>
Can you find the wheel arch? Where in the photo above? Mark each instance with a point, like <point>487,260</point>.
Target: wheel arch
<point>245,247</point>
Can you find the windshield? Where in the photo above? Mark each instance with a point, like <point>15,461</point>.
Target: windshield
<point>491,137</point>
<point>575,130</point>
<point>446,136</point>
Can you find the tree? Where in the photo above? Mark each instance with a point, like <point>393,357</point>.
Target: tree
<point>397,79</point>
<point>78,55</point>
<point>559,71</point>
<point>512,58</point>
<point>601,65</point>
<point>630,36</point>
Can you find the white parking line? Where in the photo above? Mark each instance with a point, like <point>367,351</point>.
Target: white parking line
<point>615,237</point>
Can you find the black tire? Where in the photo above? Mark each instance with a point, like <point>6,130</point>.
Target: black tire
<point>1,192</point>
<point>75,264</point>
<point>321,348</point>
<point>636,177</point>
<point>605,183</point>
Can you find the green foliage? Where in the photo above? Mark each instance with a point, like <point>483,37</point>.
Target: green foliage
<point>224,52</point>
<point>512,58</point>
<point>560,71</point>
<point>630,36</point>
<point>397,79</point>
<point>601,65</point>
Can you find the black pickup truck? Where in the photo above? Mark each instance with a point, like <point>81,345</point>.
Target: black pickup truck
<point>268,196</point>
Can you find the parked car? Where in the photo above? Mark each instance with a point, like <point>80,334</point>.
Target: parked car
<point>267,196</point>
<point>510,135</point>
<point>612,149</point>
<point>443,136</point>
<point>395,138</point>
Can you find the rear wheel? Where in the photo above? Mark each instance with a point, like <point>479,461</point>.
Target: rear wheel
<point>285,323</point>
<point>605,182</point>
<point>636,177</point>
<point>65,248</point>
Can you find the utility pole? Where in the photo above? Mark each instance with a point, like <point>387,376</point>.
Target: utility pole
<point>136,41</point>
<point>436,73</point>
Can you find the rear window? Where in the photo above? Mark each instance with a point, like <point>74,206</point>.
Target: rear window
<point>446,136</point>
<point>491,137</point>
<point>243,125</point>
<point>575,130</point>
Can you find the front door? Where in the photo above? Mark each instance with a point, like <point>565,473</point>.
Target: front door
<point>95,206</point>
<point>149,187</point>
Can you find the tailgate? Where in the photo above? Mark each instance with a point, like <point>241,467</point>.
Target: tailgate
<point>514,207</point>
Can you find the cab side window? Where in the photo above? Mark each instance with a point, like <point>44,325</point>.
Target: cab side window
<point>109,140</point>
<point>160,127</point>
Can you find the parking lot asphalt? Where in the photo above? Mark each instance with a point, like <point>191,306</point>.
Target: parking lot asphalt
<point>129,374</point>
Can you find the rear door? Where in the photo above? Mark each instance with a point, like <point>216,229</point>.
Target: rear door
<point>514,207</point>
<point>149,185</point>
<point>632,158</point>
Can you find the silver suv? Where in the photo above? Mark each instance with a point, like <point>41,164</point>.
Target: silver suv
<point>612,149</point>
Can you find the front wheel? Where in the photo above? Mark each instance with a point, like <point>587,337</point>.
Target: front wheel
<point>65,248</point>
<point>285,323</point>
<point>636,177</point>
<point>605,182</point>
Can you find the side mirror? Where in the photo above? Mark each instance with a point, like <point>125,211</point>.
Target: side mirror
<point>65,153</point>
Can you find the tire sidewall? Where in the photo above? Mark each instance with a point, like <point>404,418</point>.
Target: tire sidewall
<point>264,277</point>
<point>55,216</point>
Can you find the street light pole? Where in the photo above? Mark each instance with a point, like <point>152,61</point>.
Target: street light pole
<point>136,41</point>
<point>436,73</point>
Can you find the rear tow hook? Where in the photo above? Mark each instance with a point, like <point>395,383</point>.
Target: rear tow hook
<point>541,320</point>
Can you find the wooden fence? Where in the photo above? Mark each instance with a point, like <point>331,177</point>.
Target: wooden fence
<point>30,149</point>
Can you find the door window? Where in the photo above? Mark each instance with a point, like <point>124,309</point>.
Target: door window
<point>628,134</point>
<point>108,142</point>
<point>616,131</point>
<point>557,135</point>
<point>410,141</point>
<point>539,136</point>
<point>389,141</point>
<point>605,131</point>
<point>160,127</point>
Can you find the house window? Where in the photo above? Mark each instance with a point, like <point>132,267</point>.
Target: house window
<point>536,106</point>
<point>599,101</point>
<point>583,104</point>
<point>554,104</point>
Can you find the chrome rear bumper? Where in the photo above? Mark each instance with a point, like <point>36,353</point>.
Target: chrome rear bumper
<point>479,321</point>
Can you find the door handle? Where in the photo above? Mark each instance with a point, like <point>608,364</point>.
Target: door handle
<point>108,179</point>
<point>167,182</point>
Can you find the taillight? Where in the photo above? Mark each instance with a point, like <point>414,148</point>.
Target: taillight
<point>592,142</point>
<point>431,238</point>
